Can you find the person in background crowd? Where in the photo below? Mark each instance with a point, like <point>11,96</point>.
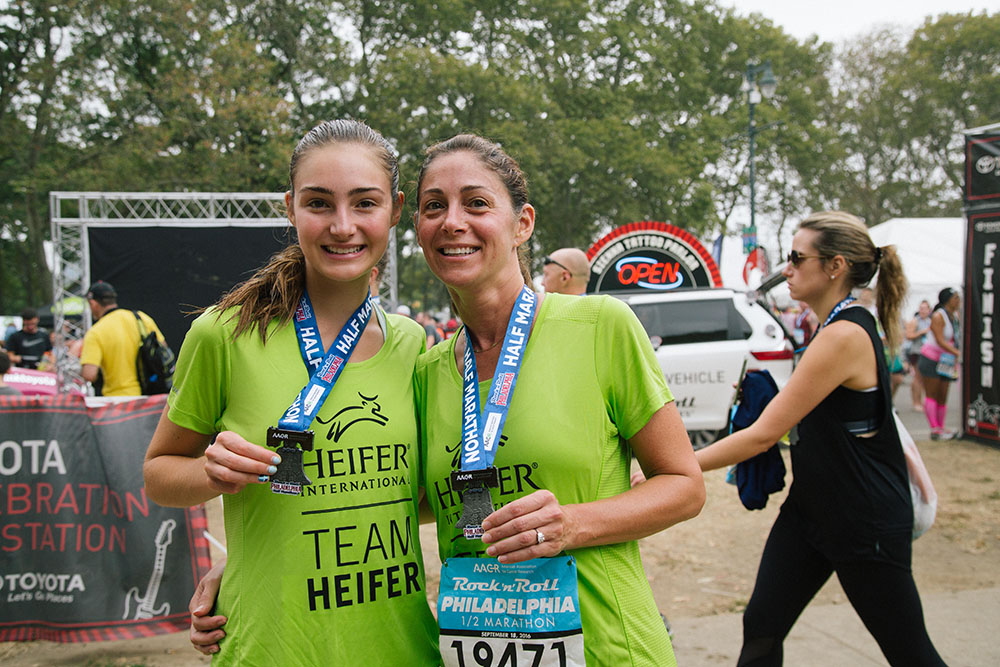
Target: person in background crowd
<point>915,334</point>
<point>450,327</point>
<point>300,320</point>
<point>433,332</point>
<point>403,309</point>
<point>112,343</point>
<point>848,509</point>
<point>866,299</point>
<point>29,346</point>
<point>566,271</point>
<point>938,362</point>
<point>5,389</point>
<point>590,394</point>
<point>806,324</point>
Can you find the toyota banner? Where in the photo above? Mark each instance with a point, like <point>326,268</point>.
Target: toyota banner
<point>86,556</point>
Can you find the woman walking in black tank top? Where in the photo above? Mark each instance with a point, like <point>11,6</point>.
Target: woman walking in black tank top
<point>848,510</point>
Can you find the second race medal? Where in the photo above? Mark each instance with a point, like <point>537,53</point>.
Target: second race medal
<point>481,430</point>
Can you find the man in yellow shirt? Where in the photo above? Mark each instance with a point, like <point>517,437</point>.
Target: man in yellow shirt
<point>112,343</point>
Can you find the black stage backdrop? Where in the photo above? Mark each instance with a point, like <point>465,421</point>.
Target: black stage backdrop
<point>981,376</point>
<point>168,271</point>
<point>86,556</point>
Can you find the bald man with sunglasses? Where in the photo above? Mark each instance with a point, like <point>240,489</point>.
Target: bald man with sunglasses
<point>566,271</point>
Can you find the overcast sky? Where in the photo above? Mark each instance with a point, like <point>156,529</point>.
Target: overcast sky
<point>836,20</point>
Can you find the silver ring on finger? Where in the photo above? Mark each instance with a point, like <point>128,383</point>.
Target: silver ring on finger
<point>539,536</point>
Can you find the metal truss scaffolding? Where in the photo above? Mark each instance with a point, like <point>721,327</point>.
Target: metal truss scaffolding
<point>72,213</point>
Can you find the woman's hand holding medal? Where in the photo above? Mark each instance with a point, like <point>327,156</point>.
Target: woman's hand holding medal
<point>232,463</point>
<point>530,527</point>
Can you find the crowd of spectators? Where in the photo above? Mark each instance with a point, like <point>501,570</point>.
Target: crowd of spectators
<point>437,327</point>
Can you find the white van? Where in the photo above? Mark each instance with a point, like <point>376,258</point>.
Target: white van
<point>701,338</point>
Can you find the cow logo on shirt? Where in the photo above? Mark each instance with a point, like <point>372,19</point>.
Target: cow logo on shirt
<point>369,410</point>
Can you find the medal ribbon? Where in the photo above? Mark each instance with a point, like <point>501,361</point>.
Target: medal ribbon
<point>836,309</point>
<point>481,431</point>
<point>323,370</point>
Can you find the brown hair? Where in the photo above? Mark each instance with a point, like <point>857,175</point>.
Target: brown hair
<point>843,234</point>
<point>497,161</point>
<point>274,291</point>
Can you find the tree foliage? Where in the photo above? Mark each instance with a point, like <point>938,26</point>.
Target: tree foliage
<point>618,110</point>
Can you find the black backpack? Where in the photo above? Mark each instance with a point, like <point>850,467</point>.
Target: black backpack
<point>154,363</point>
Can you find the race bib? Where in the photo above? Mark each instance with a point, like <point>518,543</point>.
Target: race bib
<point>946,367</point>
<point>510,615</point>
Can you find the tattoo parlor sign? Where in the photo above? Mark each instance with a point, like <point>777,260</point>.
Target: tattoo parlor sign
<point>86,556</point>
<point>650,256</point>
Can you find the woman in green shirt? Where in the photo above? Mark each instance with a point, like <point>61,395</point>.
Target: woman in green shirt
<point>325,564</point>
<point>589,395</point>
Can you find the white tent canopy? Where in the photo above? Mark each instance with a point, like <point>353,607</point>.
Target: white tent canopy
<point>932,251</point>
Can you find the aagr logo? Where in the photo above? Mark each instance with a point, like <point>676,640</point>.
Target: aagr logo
<point>648,273</point>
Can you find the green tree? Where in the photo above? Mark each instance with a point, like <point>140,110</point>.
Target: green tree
<point>40,86</point>
<point>951,74</point>
<point>188,101</point>
<point>882,173</point>
<point>901,106</point>
<point>617,111</point>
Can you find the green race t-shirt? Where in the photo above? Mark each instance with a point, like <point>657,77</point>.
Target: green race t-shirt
<point>334,576</point>
<point>589,379</point>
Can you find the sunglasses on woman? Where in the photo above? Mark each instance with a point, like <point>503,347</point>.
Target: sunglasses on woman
<point>795,258</point>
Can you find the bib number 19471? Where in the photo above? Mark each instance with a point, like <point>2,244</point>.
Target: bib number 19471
<point>501,653</point>
<point>526,614</point>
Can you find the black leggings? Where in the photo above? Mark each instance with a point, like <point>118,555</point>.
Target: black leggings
<point>792,572</point>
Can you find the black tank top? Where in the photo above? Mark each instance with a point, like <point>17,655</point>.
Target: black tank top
<point>861,411</point>
<point>850,493</point>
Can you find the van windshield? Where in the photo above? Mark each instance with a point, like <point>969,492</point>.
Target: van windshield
<point>704,321</point>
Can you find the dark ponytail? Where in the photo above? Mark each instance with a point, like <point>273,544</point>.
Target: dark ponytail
<point>272,293</point>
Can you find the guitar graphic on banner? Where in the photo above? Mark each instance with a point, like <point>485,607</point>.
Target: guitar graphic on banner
<point>140,608</point>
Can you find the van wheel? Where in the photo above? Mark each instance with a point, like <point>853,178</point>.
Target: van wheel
<point>700,439</point>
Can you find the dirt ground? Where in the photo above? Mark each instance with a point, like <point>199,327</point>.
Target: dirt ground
<point>702,567</point>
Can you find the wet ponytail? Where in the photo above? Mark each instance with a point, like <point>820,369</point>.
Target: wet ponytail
<point>272,293</point>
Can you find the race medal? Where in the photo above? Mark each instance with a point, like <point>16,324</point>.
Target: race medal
<point>291,476</point>
<point>481,429</point>
<point>476,501</point>
<point>525,613</point>
<point>291,436</point>
<point>476,506</point>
